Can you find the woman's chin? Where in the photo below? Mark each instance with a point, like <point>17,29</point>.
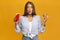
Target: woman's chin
<point>30,14</point>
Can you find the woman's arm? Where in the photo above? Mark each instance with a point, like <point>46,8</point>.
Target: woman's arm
<point>41,27</point>
<point>18,26</point>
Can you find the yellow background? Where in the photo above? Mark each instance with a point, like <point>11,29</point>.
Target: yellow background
<point>9,8</point>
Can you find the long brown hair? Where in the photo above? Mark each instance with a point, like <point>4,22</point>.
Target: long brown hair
<point>25,11</point>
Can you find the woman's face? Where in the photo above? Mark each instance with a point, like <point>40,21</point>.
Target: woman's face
<point>29,9</point>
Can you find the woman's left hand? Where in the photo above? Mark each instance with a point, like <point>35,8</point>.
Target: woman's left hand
<point>45,18</point>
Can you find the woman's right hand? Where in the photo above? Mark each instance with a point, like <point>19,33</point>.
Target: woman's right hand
<point>16,22</point>
<point>16,19</point>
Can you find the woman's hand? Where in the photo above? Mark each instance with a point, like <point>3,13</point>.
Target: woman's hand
<point>16,19</point>
<point>45,18</point>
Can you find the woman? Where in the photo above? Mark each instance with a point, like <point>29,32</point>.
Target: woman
<point>30,24</point>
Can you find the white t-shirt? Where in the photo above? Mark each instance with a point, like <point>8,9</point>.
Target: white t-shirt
<point>30,27</point>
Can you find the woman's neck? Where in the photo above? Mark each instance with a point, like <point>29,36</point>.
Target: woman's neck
<point>29,15</point>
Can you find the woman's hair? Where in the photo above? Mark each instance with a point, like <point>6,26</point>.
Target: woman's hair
<point>25,10</point>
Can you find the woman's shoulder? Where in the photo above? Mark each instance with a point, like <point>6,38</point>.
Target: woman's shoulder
<point>37,16</point>
<point>22,17</point>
